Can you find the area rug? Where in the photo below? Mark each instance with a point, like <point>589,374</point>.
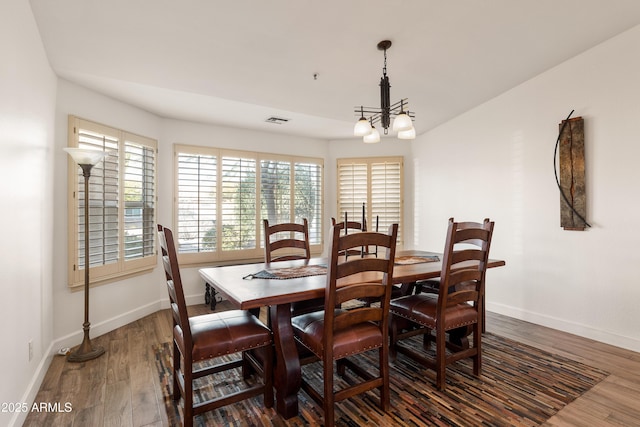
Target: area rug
<point>520,386</point>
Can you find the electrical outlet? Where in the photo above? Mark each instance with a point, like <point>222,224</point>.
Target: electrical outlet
<point>30,350</point>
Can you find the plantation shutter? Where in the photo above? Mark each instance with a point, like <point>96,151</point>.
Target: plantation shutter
<point>308,198</point>
<point>103,197</point>
<point>239,203</point>
<point>122,204</point>
<point>353,188</point>
<point>197,200</point>
<point>376,183</point>
<point>386,195</point>
<point>139,198</point>
<point>223,195</point>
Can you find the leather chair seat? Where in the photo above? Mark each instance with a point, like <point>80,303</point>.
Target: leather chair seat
<point>228,332</point>
<point>310,330</point>
<point>423,308</point>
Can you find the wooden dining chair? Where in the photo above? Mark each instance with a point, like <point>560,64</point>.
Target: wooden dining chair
<point>432,286</point>
<point>210,336</point>
<point>458,303</point>
<point>286,241</point>
<point>293,243</point>
<point>336,334</point>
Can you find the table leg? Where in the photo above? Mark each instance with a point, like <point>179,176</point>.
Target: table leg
<point>287,374</point>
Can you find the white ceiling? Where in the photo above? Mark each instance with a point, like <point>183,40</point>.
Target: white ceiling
<point>238,62</point>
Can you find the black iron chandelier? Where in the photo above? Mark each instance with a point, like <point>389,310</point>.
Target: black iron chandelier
<point>403,119</point>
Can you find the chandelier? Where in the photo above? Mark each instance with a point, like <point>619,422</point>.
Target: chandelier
<point>402,119</point>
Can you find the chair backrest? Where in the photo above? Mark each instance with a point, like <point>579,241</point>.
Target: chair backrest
<point>177,302</point>
<point>341,267</point>
<point>286,237</point>
<point>346,226</point>
<point>464,264</point>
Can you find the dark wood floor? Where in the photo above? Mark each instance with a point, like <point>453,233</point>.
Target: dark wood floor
<point>121,388</point>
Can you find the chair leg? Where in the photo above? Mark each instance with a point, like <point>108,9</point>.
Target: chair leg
<point>384,373</point>
<point>477,344</point>
<point>188,398</point>
<point>441,359</point>
<point>176,370</point>
<point>267,370</point>
<point>329,397</point>
<point>426,340</point>
<point>393,338</point>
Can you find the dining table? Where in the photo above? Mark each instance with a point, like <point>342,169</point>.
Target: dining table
<point>252,286</point>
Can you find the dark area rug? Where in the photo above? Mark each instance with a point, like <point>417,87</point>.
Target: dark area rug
<point>520,386</point>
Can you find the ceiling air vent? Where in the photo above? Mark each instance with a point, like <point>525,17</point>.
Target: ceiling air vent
<point>276,120</point>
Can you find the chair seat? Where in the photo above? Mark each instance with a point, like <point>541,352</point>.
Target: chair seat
<point>422,309</point>
<point>228,332</point>
<point>309,329</point>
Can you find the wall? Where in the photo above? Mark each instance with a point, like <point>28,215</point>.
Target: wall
<point>497,161</point>
<point>27,105</point>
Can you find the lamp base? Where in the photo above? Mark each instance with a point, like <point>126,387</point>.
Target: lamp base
<point>85,352</point>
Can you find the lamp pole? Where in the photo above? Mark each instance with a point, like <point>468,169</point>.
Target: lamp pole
<point>86,159</point>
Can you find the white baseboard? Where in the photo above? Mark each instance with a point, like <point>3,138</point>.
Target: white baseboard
<point>564,325</point>
<point>19,417</point>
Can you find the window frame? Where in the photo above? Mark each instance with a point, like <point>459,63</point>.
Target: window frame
<point>369,214</point>
<point>256,253</point>
<point>122,267</point>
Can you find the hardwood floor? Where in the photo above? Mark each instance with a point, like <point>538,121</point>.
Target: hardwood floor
<point>122,388</point>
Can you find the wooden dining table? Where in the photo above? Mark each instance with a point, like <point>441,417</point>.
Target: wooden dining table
<point>244,286</point>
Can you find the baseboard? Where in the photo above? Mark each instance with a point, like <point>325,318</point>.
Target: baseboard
<point>564,325</point>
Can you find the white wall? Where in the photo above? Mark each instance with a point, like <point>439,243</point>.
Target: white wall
<point>27,105</point>
<point>497,161</point>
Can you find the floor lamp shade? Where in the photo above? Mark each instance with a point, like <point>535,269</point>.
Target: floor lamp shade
<point>86,159</point>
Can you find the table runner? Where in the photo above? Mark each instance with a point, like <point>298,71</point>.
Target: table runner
<point>317,270</point>
<point>289,272</point>
<point>411,259</point>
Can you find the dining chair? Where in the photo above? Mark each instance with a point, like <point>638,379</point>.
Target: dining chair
<point>354,226</point>
<point>209,337</point>
<point>293,243</point>
<point>458,303</point>
<point>336,334</point>
<point>432,286</point>
<point>286,241</point>
<point>348,227</point>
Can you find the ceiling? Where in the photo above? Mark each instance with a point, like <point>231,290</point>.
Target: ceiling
<point>239,62</point>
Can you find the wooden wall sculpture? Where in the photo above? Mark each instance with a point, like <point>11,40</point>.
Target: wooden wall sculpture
<point>573,198</point>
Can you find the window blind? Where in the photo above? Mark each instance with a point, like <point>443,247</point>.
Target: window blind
<point>197,198</point>
<point>223,195</point>
<point>122,200</point>
<point>239,205</point>
<point>376,184</point>
<point>308,201</point>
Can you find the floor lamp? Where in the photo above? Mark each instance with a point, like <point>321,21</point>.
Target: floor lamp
<point>86,159</point>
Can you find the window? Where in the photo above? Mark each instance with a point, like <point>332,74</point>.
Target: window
<point>376,185</point>
<point>223,196</point>
<point>122,204</point>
